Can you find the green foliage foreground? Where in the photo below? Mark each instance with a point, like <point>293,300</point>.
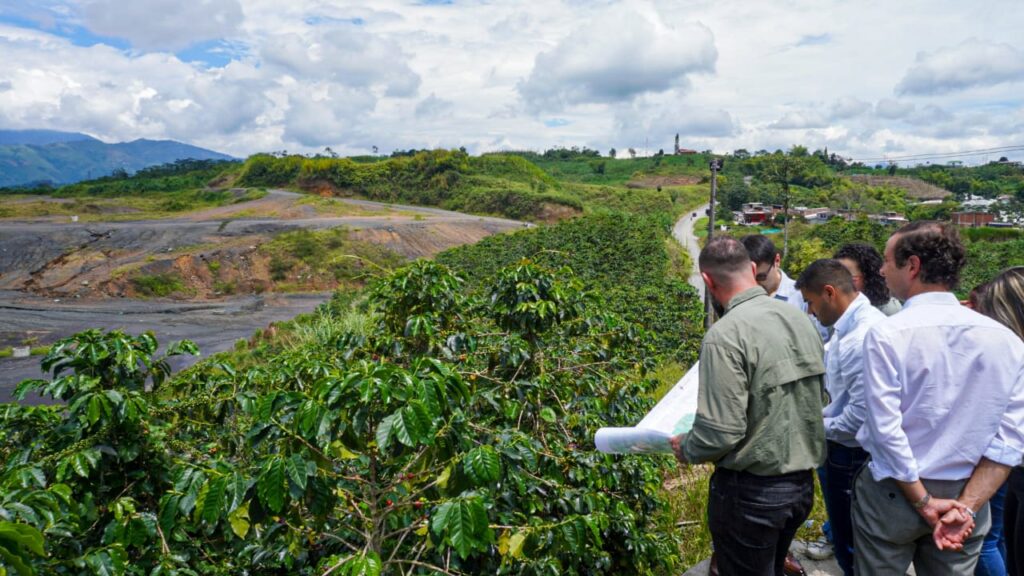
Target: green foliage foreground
<point>454,437</point>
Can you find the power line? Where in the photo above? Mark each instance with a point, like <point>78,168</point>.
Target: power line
<point>942,155</point>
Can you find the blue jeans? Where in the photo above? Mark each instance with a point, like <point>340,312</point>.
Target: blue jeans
<point>753,519</point>
<point>841,466</point>
<point>992,561</point>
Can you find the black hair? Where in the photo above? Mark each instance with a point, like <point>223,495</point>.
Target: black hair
<point>723,256</point>
<point>939,248</point>
<point>760,248</point>
<point>869,261</point>
<point>826,272</point>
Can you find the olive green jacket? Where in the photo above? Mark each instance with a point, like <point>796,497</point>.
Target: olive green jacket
<point>761,390</point>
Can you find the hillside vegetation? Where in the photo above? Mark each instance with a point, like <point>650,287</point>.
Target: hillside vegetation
<point>496,184</point>
<point>439,420</point>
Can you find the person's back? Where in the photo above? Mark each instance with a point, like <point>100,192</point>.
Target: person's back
<point>944,389</point>
<point>780,355</point>
<point>758,416</point>
<point>944,353</point>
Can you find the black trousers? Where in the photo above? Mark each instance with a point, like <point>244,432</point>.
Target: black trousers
<point>1013,522</point>
<point>753,519</point>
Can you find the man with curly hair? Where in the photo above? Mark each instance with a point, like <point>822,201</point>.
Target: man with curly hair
<point>944,399</point>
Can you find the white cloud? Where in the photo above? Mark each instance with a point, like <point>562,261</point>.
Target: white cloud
<point>800,120</point>
<point>346,55</point>
<point>972,63</point>
<point>432,107</point>
<point>163,24</point>
<point>492,75</point>
<point>315,120</point>
<point>849,107</point>
<point>622,52</point>
<point>892,109</point>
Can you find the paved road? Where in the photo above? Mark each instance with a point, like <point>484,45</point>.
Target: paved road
<point>683,233</point>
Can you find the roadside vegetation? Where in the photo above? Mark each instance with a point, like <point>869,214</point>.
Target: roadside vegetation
<point>434,416</point>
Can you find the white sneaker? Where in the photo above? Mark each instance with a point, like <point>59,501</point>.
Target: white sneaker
<point>820,549</point>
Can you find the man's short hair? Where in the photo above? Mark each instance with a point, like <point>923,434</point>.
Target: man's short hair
<point>939,248</point>
<point>826,272</point>
<point>722,257</point>
<point>760,248</point>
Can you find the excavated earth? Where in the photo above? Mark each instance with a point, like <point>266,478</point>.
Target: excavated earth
<point>59,277</point>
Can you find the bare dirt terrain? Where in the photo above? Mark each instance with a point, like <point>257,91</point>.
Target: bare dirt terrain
<point>916,189</point>
<point>57,278</point>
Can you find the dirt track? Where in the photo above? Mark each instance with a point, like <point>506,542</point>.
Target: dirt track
<point>49,271</point>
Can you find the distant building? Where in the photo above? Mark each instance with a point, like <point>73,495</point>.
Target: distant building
<point>685,151</point>
<point>816,215</point>
<point>888,218</point>
<point>754,213</point>
<point>973,219</point>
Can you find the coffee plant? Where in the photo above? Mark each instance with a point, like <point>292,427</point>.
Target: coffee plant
<point>456,438</point>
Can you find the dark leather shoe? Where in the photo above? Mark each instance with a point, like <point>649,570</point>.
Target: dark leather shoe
<point>792,567</point>
<point>713,566</point>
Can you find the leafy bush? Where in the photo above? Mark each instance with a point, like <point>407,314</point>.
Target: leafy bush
<point>158,285</point>
<point>454,437</point>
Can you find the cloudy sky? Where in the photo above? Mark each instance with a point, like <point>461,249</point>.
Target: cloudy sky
<point>867,79</point>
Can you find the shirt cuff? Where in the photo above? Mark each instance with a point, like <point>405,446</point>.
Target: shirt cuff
<point>880,471</point>
<point>999,452</point>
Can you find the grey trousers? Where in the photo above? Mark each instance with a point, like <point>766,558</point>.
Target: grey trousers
<point>889,535</point>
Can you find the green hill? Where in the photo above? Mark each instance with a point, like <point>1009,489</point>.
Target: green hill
<point>37,156</point>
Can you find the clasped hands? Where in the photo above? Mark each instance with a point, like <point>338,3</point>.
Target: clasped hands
<point>951,521</point>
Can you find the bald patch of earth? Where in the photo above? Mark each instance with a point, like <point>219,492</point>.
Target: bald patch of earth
<point>662,181</point>
<point>915,188</point>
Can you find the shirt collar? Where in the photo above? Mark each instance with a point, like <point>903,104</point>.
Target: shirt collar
<point>934,298</point>
<point>847,321</point>
<point>787,286</point>
<point>744,296</point>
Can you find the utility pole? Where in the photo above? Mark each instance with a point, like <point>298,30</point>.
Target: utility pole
<point>715,165</point>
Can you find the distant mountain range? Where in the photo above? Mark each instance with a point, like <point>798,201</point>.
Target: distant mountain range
<point>30,157</point>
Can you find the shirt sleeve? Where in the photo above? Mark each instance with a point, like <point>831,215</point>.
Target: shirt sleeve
<point>882,434</point>
<point>1007,447</point>
<point>851,368</point>
<point>721,419</point>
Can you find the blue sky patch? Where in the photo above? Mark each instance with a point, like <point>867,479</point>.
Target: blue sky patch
<point>556,122</point>
<point>77,35</point>
<point>212,54</point>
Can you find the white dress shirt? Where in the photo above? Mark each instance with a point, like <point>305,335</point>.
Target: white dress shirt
<point>944,387</point>
<point>844,371</point>
<point>788,292</point>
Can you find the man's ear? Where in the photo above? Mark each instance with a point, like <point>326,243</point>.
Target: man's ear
<point>778,260</point>
<point>753,269</point>
<point>914,265</point>
<point>708,280</point>
<point>829,291</point>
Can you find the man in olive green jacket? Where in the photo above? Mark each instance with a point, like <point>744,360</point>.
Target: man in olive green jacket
<point>758,416</point>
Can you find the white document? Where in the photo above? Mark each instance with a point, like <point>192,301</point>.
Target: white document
<point>671,416</point>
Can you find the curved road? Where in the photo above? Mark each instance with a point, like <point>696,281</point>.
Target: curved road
<point>214,325</point>
<point>683,233</point>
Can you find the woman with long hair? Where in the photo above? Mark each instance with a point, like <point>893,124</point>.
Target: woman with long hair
<point>864,262</point>
<point>1002,299</point>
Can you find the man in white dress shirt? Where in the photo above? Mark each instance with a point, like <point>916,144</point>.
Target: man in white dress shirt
<point>944,398</point>
<point>773,279</point>
<point>828,288</point>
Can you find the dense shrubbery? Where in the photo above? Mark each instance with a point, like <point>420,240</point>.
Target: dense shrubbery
<point>452,437</point>
<point>623,255</point>
<point>494,184</point>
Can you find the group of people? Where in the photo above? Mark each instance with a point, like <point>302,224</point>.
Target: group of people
<point>866,369</point>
